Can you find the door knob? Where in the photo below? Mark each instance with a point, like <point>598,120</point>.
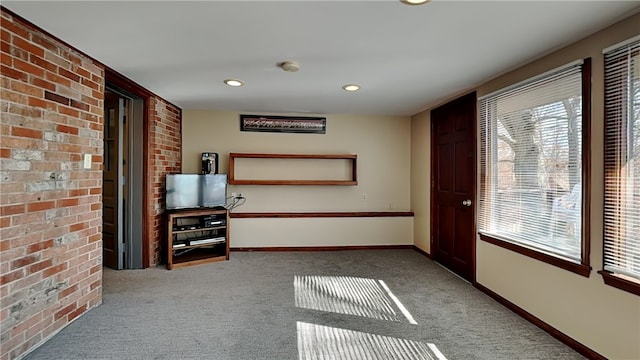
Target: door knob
<point>466,202</point>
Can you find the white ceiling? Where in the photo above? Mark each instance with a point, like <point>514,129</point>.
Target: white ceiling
<point>406,58</point>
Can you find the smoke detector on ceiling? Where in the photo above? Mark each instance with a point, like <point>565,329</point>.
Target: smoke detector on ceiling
<point>290,66</point>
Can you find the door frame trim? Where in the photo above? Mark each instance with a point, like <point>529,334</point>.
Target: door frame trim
<point>472,96</point>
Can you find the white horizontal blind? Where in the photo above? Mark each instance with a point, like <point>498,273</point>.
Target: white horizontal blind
<point>531,160</point>
<point>622,160</point>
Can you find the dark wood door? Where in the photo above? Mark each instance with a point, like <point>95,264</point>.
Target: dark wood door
<point>111,208</point>
<point>453,179</point>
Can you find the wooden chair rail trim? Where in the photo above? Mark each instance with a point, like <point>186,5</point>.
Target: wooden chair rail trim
<point>350,214</point>
<point>294,182</point>
<point>293,156</point>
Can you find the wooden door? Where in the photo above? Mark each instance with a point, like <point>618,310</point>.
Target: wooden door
<point>453,179</point>
<point>111,204</point>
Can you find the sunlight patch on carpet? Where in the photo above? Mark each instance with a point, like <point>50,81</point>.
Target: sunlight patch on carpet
<point>349,295</point>
<point>316,342</point>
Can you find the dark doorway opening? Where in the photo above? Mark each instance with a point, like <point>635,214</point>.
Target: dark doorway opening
<point>122,190</point>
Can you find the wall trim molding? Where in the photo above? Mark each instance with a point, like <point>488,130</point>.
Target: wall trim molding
<point>333,248</point>
<point>329,214</point>
<point>424,253</point>
<point>564,338</point>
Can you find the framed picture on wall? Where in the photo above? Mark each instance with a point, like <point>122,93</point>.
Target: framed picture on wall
<point>283,124</point>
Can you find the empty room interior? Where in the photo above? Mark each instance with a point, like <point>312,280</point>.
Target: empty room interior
<point>388,179</point>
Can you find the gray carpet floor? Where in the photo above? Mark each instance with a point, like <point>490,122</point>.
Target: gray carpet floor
<point>363,304</point>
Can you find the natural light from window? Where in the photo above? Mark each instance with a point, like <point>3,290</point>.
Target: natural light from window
<point>326,342</point>
<point>349,295</point>
<point>622,164</point>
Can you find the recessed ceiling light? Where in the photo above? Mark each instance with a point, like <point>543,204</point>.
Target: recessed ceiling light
<point>233,82</point>
<point>415,2</point>
<point>351,87</point>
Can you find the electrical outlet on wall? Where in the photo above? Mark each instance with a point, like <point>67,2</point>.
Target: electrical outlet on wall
<point>87,161</point>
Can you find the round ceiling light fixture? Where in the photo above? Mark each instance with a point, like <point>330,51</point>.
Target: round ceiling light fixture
<point>414,2</point>
<point>351,87</point>
<point>290,66</point>
<point>233,82</point>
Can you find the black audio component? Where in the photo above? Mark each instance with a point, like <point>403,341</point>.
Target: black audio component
<point>212,221</point>
<point>186,227</point>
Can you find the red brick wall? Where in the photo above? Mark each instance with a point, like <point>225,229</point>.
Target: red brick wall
<point>50,207</point>
<point>164,157</point>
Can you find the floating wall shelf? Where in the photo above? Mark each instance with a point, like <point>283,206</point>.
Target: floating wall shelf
<point>350,181</point>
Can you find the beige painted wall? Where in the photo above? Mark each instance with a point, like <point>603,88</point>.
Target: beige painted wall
<point>384,163</point>
<point>601,317</point>
<point>420,179</point>
<point>321,232</point>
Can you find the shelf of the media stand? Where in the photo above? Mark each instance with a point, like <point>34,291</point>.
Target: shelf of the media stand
<point>198,229</point>
<point>195,259</point>
<point>210,244</point>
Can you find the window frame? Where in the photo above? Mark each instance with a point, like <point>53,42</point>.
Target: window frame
<point>583,268</point>
<point>611,278</point>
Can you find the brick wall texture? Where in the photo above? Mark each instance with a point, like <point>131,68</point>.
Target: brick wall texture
<point>164,157</point>
<point>50,207</point>
<point>51,112</point>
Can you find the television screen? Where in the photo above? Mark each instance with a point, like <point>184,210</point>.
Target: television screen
<point>195,190</point>
<point>213,190</point>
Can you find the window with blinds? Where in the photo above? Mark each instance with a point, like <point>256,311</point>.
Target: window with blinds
<point>622,162</point>
<point>531,192</point>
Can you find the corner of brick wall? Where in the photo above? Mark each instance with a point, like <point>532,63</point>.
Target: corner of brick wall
<point>50,207</point>
<point>165,157</point>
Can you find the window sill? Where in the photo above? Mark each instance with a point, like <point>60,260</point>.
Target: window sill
<point>612,279</point>
<point>580,269</point>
